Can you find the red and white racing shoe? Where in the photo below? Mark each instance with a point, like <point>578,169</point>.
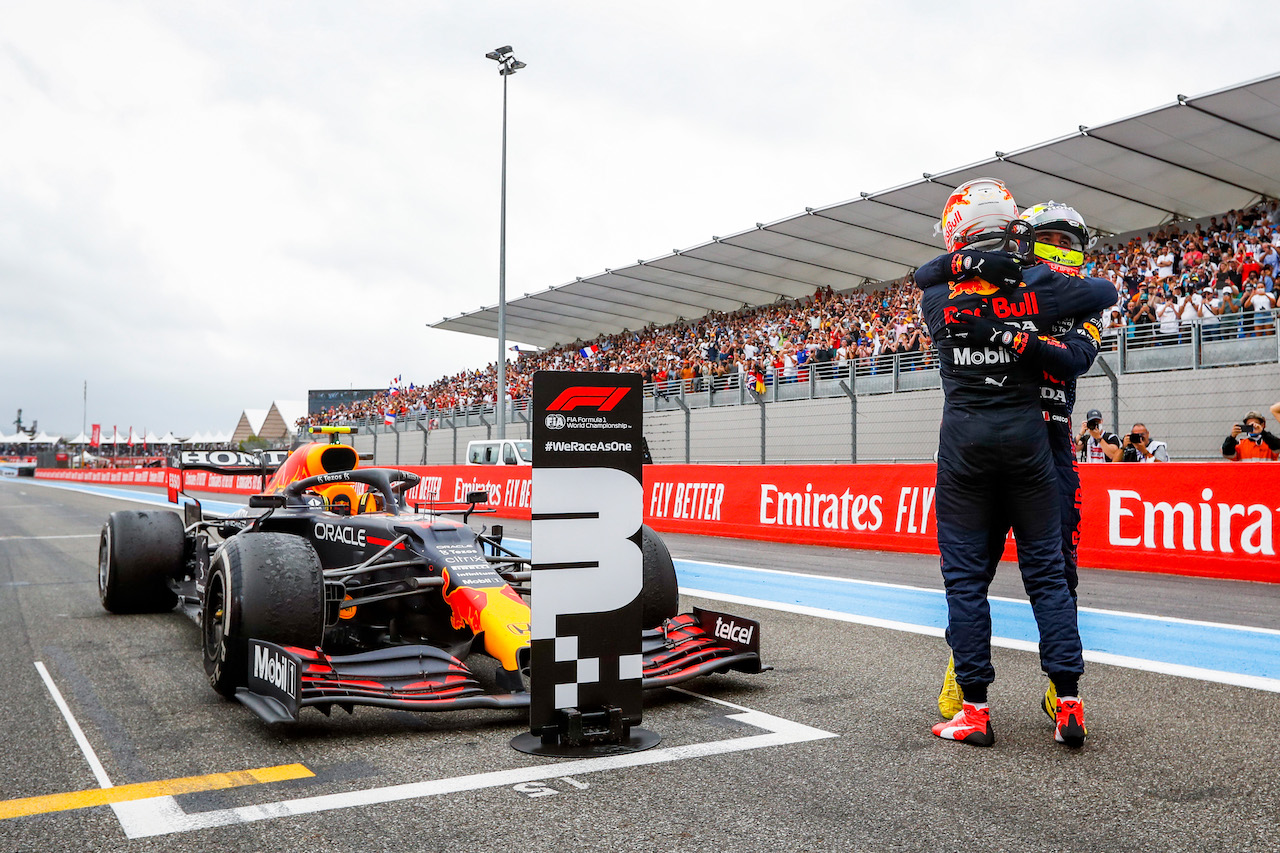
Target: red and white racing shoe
<point>1069,723</point>
<point>972,726</point>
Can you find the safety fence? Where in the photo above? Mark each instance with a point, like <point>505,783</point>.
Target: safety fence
<point>1207,520</point>
<point>1188,388</point>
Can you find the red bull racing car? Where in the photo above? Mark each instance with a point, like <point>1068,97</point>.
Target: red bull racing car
<point>331,590</point>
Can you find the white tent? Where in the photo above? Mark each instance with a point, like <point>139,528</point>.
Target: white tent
<point>44,438</point>
<point>168,439</point>
<point>151,438</point>
<point>79,439</point>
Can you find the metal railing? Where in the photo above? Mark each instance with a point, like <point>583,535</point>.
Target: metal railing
<point>1236,340</point>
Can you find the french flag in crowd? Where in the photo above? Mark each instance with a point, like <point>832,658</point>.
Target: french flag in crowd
<point>587,352</point>
<point>395,385</point>
<point>389,418</point>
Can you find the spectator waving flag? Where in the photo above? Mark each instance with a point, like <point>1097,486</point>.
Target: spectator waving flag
<point>394,386</point>
<point>389,418</point>
<point>588,351</point>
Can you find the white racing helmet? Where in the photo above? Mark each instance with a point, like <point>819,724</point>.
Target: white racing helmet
<point>977,211</point>
<point>1053,216</point>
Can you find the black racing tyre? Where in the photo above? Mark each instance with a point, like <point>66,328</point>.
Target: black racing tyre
<point>138,551</point>
<point>660,596</point>
<point>264,586</point>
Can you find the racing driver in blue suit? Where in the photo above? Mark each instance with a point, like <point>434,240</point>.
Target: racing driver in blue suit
<point>995,464</point>
<point>1061,238</point>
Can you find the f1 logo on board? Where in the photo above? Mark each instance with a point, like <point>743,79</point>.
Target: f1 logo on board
<point>601,399</point>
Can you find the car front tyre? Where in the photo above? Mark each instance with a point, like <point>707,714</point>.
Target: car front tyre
<point>138,552</point>
<point>263,586</point>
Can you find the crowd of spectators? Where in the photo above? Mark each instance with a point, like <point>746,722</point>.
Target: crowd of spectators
<point>1220,274</point>
<point>780,342</point>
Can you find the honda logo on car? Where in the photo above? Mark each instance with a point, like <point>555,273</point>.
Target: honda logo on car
<point>345,534</point>
<point>275,669</point>
<point>733,632</point>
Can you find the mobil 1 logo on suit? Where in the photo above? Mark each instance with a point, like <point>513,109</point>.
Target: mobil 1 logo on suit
<point>587,569</point>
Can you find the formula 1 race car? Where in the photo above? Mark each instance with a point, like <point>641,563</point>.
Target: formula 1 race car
<point>331,589</point>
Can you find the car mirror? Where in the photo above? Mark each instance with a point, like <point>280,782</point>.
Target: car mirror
<point>477,497</point>
<point>266,501</point>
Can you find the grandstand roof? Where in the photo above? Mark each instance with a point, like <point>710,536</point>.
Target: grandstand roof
<point>1192,158</point>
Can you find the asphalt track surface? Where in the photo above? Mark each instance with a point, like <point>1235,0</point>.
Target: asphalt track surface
<point>829,751</point>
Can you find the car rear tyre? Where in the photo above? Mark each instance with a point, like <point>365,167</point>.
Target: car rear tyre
<point>264,586</point>
<point>660,597</point>
<point>138,551</point>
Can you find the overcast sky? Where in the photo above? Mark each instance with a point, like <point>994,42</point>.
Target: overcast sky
<point>205,207</point>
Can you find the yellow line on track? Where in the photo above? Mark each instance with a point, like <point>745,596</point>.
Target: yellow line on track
<point>145,790</point>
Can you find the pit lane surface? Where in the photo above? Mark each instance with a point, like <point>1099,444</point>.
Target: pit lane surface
<point>1172,763</point>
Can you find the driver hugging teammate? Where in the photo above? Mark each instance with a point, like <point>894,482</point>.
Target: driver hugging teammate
<point>1015,323</point>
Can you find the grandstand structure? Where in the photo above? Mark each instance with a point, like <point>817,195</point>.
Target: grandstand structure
<point>1193,158</point>
<point>1176,165</point>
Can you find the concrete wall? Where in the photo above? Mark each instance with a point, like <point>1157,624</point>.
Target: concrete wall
<point>1191,410</point>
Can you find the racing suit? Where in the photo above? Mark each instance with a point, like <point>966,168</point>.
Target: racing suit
<point>995,465</point>
<point>1061,366</point>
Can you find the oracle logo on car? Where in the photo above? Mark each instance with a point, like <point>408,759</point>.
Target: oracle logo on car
<point>1202,527</point>
<point>601,399</point>
<point>345,534</point>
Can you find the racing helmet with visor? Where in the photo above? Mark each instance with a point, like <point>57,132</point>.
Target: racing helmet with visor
<point>977,211</point>
<point>1061,234</point>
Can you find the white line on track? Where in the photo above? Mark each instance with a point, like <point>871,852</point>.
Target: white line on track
<point>163,815</point>
<point>1257,682</point>
<point>942,593</point>
<point>90,756</point>
<point>67,536</point>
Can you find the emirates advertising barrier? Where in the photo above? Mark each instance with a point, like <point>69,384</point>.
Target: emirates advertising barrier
<point>1206,519</point>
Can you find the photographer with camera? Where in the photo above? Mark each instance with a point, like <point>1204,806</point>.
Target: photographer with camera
<point>1251,442</point>
<point>1138,446</point>
<point>1095,444</point>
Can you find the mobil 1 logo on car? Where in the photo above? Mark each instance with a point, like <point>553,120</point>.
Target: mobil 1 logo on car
<point>587,571</point>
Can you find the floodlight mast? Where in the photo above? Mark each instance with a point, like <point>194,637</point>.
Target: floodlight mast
<point>507,65</point>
